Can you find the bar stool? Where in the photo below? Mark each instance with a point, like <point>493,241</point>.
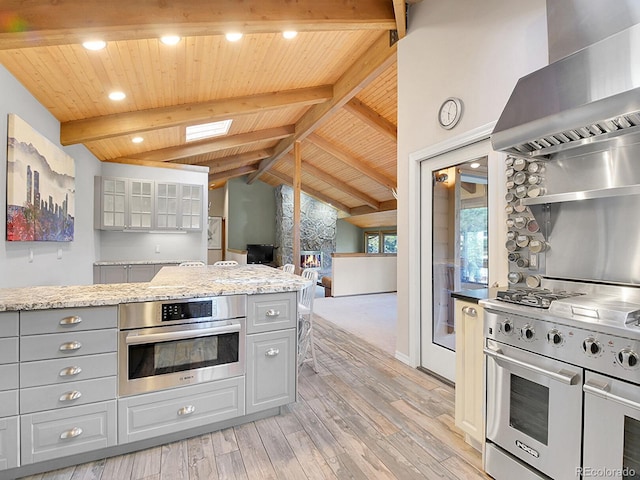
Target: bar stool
<point>289,268</point>
<point>225,263</point>
<point>191,264</point>
<point>305,320</point>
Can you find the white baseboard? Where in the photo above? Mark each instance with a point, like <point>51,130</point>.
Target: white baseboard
<point>404,359</point>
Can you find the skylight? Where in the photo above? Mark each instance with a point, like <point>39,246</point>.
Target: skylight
<point>206,130</point>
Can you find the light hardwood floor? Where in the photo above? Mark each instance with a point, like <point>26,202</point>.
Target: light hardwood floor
<point>364,416</point>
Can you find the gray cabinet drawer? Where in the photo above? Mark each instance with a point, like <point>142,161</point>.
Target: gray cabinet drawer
<point>36,399</point>
<point>9,443</point>
<point>58,345</point>
<point>63,370</point>
<point>271,370</point>
<point>161,413</point>
<point>274,311</point>
<point>55,434</point>
<point>8,324</point>
<point>34,322</point>
<point>9,403</point>
<point>9,350</point>
<point>9,376</point>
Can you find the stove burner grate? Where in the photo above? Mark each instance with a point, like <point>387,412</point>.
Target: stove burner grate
<point>533,297</point>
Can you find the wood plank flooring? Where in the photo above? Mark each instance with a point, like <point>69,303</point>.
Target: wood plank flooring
<point>364,416</point>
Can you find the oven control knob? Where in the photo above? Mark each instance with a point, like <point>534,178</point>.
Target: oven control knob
<point>628,358</point>
<point>554,337</point>
<point>591,347</point>
<point>527,332</point>
<point>507,327</point>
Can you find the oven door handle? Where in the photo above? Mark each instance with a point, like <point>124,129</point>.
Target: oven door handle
<point>563,376</point>
<point>602,391</point>
<point>138,338</point>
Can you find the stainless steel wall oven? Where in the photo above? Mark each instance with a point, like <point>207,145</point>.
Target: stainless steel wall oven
<point>180,342</point>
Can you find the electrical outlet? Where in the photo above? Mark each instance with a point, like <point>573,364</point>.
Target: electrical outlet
<point>157,248</point>
<point>59,254</point>
<point>31,255</point>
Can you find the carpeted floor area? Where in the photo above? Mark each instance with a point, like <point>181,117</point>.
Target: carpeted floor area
<point>370,317</point>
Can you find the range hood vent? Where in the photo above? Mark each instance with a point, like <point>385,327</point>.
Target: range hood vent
<point>590,96</point>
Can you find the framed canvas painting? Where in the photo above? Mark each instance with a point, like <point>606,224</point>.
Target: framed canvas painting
<point>214,233</point>
<point>40,187</point>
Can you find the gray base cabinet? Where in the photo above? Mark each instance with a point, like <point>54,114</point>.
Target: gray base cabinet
<point>9,443</point>
<point>271,369</point>
<point>68,431</point>
<point>160,413</point>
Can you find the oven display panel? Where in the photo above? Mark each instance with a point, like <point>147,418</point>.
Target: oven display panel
<point>159,358</point>
<point>187,310</point>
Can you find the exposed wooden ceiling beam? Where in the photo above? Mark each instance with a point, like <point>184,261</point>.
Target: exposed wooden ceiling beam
<point>372,118</point>
<point>362,72</point>
<point>74,21</point>
<point>339,184</point>
<point>384,207</point>
<point>400,12</point>
<point>128,123</point>
<point>287,180</point>
<point>146,163</point>
<point>237,160</point>
<point>227,174</point>
<point>221,143</point>
<point>361,166</point>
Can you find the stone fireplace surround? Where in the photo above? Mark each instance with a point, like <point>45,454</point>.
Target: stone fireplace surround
<point>317,228</point>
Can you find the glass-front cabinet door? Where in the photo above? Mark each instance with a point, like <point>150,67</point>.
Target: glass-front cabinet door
<point>191,207</point>
<point>140,204</point>
<point>113,202</point>
<point>167,205</point>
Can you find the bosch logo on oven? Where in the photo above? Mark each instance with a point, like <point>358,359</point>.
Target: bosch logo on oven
<point>187,378</point>
<point>527,449</point>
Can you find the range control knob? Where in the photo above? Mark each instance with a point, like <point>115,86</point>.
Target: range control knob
<point>554,337</point>
<point>507,327</point>
<point>591,347</point>
<point>527,333</point>
<point>628,358</point>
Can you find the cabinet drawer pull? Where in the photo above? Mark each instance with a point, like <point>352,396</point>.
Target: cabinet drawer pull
<point>74,432</point>
<point>72,320</point>
<point>70,371</point>
<point>472,312</point>
<point>272,352</point>
<point>188,410</point>
<point>70,396</point>
<point>70,346</point>
<point>272,313</point>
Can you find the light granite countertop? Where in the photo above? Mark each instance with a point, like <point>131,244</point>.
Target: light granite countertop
<point>170,283</point>
<point>136,262</point>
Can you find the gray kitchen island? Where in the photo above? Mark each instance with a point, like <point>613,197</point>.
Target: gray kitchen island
<point>92,371</point>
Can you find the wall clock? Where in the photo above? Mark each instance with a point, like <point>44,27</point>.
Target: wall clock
<point>450,112</point>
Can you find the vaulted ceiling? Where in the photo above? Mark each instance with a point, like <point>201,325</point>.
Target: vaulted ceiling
<point>332,88</point>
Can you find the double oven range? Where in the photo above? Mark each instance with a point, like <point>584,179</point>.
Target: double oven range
<point>563,382</point>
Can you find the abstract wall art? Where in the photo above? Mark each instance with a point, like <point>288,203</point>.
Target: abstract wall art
<point>40,187</point>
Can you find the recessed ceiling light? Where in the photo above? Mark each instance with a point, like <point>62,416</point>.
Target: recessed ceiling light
<point>474,165</point>
<point>94,44</point>
<point>170,39</point>
<point>137,139</point>
<point>289,34</point>
<point>206,130</point>
<point>117,96</point>
<point>233,36</point>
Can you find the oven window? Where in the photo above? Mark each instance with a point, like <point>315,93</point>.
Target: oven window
<point>631,453</point>
<point>529,408</point>
<point>159,358</point>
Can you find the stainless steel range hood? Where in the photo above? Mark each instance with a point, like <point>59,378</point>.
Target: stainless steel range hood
<point>590,96</point>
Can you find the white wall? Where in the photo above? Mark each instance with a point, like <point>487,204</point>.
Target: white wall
<point>468,49</point>
<point>363,274</point>
<point>75,266</point>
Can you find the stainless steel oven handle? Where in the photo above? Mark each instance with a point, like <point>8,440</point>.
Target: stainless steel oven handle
<point>601,391</point>
<point>137,338</point>
<point>563,376</point>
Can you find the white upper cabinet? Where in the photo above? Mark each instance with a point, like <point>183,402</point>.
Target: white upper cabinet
<point>123,204</point>
<point>178,206</point>
<point>134,204</point>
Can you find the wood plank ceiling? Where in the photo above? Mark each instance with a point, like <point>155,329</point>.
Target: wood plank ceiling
<point>332,88</point>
